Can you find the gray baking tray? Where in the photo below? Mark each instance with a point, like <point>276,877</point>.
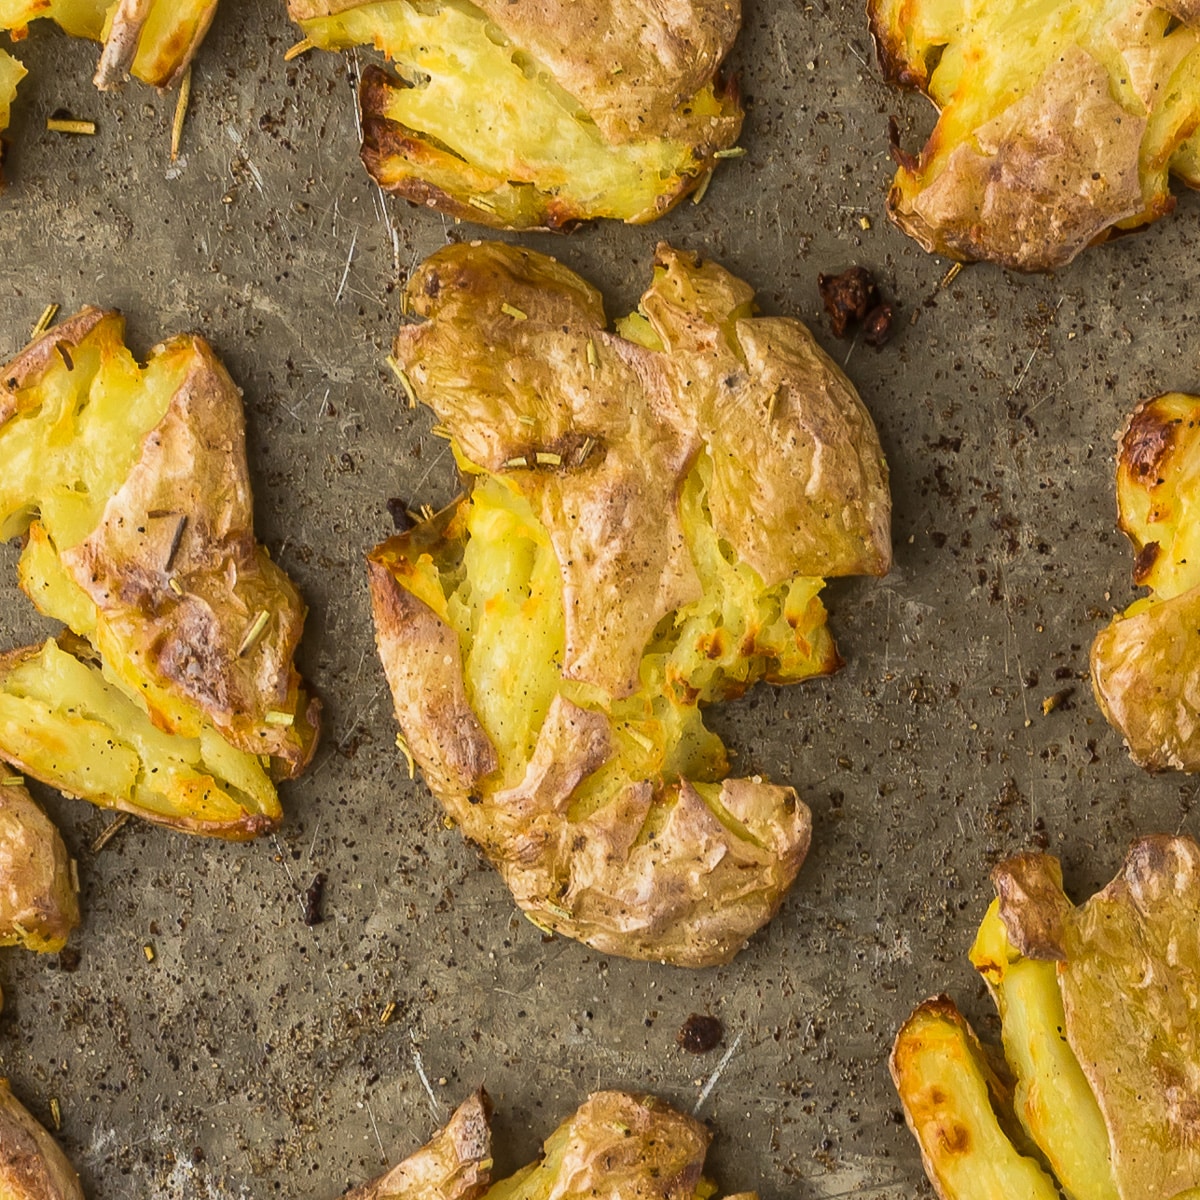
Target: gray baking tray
<point>249,1058</point>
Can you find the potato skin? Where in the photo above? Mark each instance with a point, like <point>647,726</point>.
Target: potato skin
<point>39,903</point>
<point>184,516</point>
<point>615,1146</point>
<point>646,113</point>
<point>595,437</point>
<point>1145,665</point>
<point>32,1167</point>
<point>1038,152</point>
<point>454,1165</point>
<point>1131,990</point>
<point>661,54</point>
<point>125,38</point>
<point>1126,964</point>
<point>819,431</point>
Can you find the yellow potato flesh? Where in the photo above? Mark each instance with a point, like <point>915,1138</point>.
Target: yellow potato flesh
<point>943,1082</point>
<point>80,18</point>
<point>171,27</point>
<point>1053,1100</point>
<point>76,437</point>
<point>505,603</point>
<point>545,1179</point>
<point>502,118</point>
<point>1164,508</point>
<point>69,726</point>
<point>975,60</point>
<point>11,74</point>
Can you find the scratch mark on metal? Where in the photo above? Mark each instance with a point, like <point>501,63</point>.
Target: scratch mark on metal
<point>706,1091</point>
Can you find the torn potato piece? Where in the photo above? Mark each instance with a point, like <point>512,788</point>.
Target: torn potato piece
<point>1061,121</point>
<point>1100,1007</point>
<point>153,40</point>
<point>1146,664</point>
<point>39,899</point>
<point>131,487</point>
<point>649,517</point>
<point>950,1096</point>
<point>63,722</point>
<point>1052,1098</point>
<point>32,1167</point>
<point>615,1146</point>
<point>529,116</point>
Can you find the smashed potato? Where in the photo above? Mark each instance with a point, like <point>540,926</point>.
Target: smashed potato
<point>1061,121</point>
<point>153,40</point>
<point>524,116</point>
<point>1146,664</point>
<point>32,1167</point>
<point>1100,1012</point>
<point>615,1146</point>
<point>39,899</point>
<point>651,515</point>
<point>130,486</point>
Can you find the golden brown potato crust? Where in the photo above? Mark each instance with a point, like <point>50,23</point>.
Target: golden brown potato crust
<point>39,905</point>
<point>1060,124</point>
<point>32,1167</point>
<point>1146,664</point>
<point>599,434</point>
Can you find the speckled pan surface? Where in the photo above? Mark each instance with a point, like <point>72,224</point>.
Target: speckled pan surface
<point>249,1059</point>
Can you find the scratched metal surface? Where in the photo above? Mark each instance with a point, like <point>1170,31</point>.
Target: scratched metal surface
<point>248,1058</point>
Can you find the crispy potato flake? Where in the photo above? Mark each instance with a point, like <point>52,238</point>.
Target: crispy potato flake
<point>1061,121</point>
<point>616,1146</point>
<point>539,114</point>
<point>639,541</point>
<point>1100,1012</point>
<point>1146,664</point>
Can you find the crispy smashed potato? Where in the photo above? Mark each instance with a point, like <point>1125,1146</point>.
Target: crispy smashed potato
<point>1061,121</point>
<point>39,900</point>
<point>152,40</point>
<point>32,1167</point>
<point>650,516</point>
<point>130,486</point>
<point>1146,664</point>
<point>616,1146</point>
<point>544,114</point>
<point>1100,1010</point>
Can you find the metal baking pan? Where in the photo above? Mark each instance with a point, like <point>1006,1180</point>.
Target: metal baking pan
<point>250,1058</point>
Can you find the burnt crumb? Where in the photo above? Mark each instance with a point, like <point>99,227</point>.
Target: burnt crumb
<point>398,511</point>
<point>313,899</point>
<point>1143,564</point>
<point>853,297</point>
<point>69,959</point>
<point>877,326</point>
<point>700,1034</point>
<point>848,297</point>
